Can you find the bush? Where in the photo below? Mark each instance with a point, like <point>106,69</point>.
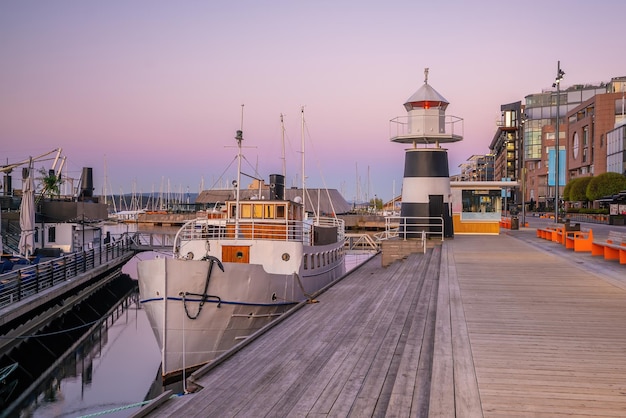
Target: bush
<point>605,184</point>
<point>578,190</point>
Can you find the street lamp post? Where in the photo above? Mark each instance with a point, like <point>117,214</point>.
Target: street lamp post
<point>557,84</point>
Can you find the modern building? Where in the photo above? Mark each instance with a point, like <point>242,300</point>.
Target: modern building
<point>588,127</point>
<point>539,141</point>
<point>477,168</point>
<point>506,146</point>
<point>590,139</point>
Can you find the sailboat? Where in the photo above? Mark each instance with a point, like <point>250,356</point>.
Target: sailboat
<point>232,274</point>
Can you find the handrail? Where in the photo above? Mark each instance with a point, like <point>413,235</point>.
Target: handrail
<point>410,125</point>
<point>253,229</point>
<point>407,227</point>
<point>21,283</point>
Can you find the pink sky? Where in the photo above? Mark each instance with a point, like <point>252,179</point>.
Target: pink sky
<point>155,88</point>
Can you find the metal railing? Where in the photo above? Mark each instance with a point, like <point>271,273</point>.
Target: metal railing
<point>22,282</point>
<point>422,126</point>
<point>412,227</point>
<point>278,230</point>
<point>362,242</point>
<point>149,241</point>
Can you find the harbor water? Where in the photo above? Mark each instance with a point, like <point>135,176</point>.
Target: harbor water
<point>113,373</point>
<point>116,373</point>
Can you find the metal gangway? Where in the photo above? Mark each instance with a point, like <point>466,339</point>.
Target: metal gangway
<point>150,241</point>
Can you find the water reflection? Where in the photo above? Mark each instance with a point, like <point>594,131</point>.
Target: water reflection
<point>109,372</point>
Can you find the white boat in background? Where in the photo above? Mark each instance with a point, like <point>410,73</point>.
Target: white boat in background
<point>126,215</point>
<point>233,274</point>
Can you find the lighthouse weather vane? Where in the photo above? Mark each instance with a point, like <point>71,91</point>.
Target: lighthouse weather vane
<point>426,75</point>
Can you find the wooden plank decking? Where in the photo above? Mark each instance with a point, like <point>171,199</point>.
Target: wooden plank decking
<point>548,338</point>
<point>481,326</point>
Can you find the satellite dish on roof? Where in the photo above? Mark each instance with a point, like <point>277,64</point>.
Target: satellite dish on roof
<point>297,199</point>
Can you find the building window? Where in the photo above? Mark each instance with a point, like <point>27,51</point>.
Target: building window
<point>481,204</point>
<point>52,234</point>
<point>510,119</point>
<point>575,146</point>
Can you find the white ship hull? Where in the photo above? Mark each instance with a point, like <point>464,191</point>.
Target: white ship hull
<point>192,329</point>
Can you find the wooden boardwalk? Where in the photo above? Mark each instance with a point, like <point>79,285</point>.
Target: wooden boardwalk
<point>489,326</point>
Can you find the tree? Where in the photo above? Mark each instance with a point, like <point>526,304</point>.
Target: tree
<point>51,183</point>
<point>567,189</point>
<point>605,184</point>
<point>376,203</point>
<point>578,191</point>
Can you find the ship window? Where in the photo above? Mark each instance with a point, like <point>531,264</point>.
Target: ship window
<point>258,210</point>
<point>306,261</point>
<point>319,261</point>
<point>246,211</point>
<point>269,211</point>
<point>52,234</point>
<point>280,212</point>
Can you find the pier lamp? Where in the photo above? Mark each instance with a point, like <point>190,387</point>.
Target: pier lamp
<point>557,83</point>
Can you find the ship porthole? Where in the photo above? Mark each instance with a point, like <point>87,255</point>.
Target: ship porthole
<point>285,257</point>
<point>239,254</point>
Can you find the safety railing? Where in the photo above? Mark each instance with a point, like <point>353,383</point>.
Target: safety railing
<point>412,227</point>
<point>23,281</point>
<point>423,125</point>
<point>249,229</point>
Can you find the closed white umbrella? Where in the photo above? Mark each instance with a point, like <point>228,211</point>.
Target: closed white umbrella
<point>1,248</point>
<point>27,216</point>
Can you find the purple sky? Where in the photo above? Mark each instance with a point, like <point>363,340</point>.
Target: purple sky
<point>155,88</point>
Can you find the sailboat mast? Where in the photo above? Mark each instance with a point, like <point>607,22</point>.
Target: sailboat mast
<point>303,168</point>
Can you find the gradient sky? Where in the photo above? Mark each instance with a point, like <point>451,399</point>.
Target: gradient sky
<point>152,90</point>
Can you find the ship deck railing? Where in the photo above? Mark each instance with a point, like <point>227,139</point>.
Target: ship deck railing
<point>253,229</point>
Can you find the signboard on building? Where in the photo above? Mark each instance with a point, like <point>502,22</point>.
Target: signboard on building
<point>552,167</point>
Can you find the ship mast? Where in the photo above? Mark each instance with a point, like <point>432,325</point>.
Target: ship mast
<point>282,131</point>
<point>239,138</point>
<point>303,175</point>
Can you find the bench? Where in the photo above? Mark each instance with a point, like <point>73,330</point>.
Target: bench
<point>548,233</point>
<point>614,248</point>
<point>579,241</point>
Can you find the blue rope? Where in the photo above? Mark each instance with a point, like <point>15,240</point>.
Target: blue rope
<point>121,408</point>
<point>223,302</point>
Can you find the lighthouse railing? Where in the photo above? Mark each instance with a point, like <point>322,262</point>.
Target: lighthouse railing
<point>407,126</point>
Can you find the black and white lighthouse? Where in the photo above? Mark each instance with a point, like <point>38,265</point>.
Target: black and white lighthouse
<point>426,183</point>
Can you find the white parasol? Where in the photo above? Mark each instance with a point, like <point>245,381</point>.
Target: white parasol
<point>27,215</point>
<point>1,248</point>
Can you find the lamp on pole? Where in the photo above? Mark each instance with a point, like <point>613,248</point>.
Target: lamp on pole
<point>557,83</point>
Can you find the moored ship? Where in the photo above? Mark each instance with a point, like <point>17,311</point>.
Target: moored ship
<point>235,270</point>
